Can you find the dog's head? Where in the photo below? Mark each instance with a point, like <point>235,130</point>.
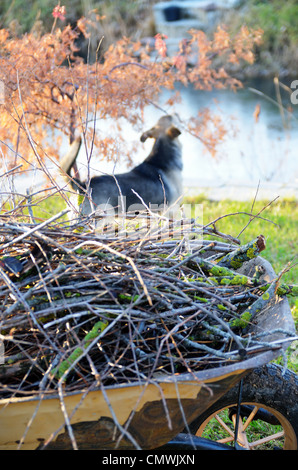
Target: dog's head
<point>165,126</point>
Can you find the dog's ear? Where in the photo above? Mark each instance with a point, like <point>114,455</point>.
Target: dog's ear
<point>144,136</point>
<point>173,132</point>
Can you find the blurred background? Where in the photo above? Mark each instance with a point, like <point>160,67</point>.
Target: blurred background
<point>261,146</point>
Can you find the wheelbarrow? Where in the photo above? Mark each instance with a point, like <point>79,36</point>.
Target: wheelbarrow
<point>171,411</point>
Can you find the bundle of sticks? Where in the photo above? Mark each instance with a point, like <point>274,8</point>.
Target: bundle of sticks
<point>81,307</point>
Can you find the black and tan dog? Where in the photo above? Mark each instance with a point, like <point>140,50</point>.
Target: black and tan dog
<point>155,182</point>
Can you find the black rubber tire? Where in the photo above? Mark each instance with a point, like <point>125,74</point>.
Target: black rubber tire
<point>268,386</point>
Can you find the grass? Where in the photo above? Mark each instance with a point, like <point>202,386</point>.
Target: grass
<point>256,430</point>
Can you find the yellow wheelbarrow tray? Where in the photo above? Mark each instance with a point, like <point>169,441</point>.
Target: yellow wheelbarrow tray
<point>143,415</point>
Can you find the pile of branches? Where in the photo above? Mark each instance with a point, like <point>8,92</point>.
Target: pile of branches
<point>80,307</point>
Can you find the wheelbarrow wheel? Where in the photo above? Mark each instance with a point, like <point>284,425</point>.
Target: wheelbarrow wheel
<point>268,416</point>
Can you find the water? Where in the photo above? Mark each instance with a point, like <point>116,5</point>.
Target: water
<point>262,153</point>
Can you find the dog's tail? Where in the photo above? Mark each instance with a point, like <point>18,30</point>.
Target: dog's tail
<point>69,160</point>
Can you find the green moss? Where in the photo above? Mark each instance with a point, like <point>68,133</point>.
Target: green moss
<point>98,328</point>
<point>236,264</point>
<point>128,298</point>
<point>265,296</point>
<point>251,252</point>
<point>219,271</point>
<point>282,290</point>
<point>243,321</point>
<point>241,280</point>
<point>80,200</point>
<point>124,297</point>
<point>201,299</point>
<point>213,280</point>
<point>65,365</point>
<point>221,307</point>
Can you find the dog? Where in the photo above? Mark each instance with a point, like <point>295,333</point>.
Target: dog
<point>156,182</point>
